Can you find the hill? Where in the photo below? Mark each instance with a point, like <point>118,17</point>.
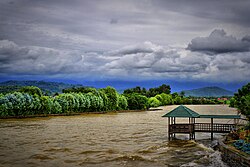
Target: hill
<point>208,92</point>
<point>46,87</point>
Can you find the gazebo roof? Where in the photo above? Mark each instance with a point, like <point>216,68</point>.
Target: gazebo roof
<point>182,111</point>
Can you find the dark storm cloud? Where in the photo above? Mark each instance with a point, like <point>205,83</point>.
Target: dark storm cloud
<point>219,42</point>
<point>15,59</point>
<point>93,38</point>
<point>230,11</point>
<point>113,21</point>
<point>146,60</point>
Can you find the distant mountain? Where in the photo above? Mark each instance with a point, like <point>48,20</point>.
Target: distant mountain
<point>208,92</point>
<point>49,87</point>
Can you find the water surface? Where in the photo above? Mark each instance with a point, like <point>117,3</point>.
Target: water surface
<point>118,139</point>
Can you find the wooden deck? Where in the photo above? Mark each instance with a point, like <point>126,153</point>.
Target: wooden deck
<point>191,127</point>
<point>216,128</point>
<point>199,127</point>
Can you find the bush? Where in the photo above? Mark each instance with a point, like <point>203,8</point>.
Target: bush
<point>178,100</point>
<point>166,99</point>
<point>137,102</point>
<point>154,102</point>
<point>19,104</point>
<point>122,102</point>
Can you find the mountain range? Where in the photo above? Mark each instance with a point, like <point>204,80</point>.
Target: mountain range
<point>213,91</point>
<point>53,87</point>
<point>47,87</point>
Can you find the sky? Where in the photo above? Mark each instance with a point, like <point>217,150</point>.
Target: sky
<point>194,42</point>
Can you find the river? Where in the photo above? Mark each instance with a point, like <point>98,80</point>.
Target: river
<point>102,140</point>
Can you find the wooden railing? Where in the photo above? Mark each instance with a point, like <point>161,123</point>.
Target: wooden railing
<point>217,128</point>
<point>181,128</point>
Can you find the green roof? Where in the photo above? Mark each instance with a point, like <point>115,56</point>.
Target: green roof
<point>182,111</point>
<point>221,116</point>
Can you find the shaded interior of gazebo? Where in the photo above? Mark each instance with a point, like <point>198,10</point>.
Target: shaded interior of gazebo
<point>191,127</point>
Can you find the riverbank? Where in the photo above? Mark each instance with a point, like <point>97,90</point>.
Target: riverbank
<point>75,114</point>
<point>232,156</point>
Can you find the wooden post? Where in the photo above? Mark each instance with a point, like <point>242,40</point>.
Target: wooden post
<point>168,128</point>
<point>212,128</point>
<point>194,128</point>
<point>174,123</point>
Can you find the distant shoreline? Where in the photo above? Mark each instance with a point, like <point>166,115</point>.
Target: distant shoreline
<point>74,114</point>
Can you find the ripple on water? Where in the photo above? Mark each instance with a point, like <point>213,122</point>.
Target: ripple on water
<point>41,157</point>
<point>57,149</point>
<point>128,139</point>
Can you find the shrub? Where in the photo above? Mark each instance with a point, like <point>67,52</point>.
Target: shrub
<point>166,99</point>
<point>122,102</point>
<point>154,102</point>
<point>137,102</point>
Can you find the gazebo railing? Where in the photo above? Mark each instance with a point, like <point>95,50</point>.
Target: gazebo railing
<point>181,128</point>
<point>217,128</point>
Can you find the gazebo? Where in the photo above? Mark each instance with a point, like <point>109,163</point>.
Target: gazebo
<point>191,127</point>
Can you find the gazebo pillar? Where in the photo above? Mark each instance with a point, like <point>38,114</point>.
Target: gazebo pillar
<point>212,128</point>
<point>168,128</point>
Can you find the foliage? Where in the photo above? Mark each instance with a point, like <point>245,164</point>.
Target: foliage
<point>79,90</point>
<point>32,90</point>
<point>242,145</point>
<point>154,102</point>
<point>149,93</point>
<point>96,102</point>
<point>137,90</point>
<point>178,100</point>
<point>30,100</point>
<point>112,95</point>
<point>158,90</point>
<point>166,99</point>
<point>48,88</point>
<point>9,88</point>
<point>137,101</point>
<point>241,100</point>
<point>19,104</point>
<point>122,102</point>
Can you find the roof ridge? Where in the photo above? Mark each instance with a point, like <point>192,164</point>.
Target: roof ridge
<point>191,112</point>
<point>180,111</point>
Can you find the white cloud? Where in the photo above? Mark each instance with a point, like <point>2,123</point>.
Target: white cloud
<point>140,61</point>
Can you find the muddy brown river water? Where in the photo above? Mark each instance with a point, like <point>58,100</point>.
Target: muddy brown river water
<point>103,140</point>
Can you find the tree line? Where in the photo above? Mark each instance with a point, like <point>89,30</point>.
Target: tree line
<point>30,100</point>
<point>161,96</point>
<point>241,100</point>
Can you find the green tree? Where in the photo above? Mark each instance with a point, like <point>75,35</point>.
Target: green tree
<point>178,100</point>
<point>122,102</point>
<point>137,102</point>
<point>242,99</point>
<point>112,97</point>
<point>166,99</point>
<point>32,90</point>
<point>154,102</point>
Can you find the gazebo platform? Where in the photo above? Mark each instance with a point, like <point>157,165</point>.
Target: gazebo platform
<point>191,127</point>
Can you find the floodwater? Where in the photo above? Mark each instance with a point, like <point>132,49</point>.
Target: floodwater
<point>103,140</point>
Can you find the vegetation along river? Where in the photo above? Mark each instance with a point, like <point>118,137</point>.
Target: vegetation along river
<point>115,139</point>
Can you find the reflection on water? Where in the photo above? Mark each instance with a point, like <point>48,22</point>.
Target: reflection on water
<point>123,139</point>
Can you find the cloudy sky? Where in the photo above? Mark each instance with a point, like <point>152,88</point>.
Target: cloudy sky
<point>132,40</point>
